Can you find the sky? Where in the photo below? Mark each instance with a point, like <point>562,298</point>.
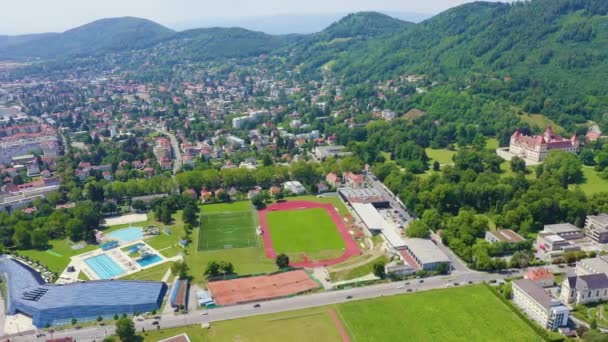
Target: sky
<point>35,16</point>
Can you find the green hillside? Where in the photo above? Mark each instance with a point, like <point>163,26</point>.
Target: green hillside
<point>546,55</point>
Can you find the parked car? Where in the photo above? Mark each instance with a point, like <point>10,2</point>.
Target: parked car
<point>257,305</point>
<point>349,297</point>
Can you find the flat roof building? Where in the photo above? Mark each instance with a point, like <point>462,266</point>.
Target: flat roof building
<point>503,235</point>
<point>597,227</point>
<point>370,216</point>
<point>592,266</point>
<point>567,231</point>
<point>364,195</point>
<point>426,254</point>
<point>322,152</point>
<point>45,303</point>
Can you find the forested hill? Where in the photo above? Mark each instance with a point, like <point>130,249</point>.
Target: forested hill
<point>101,36</point>
<point>211,43</point>
<point>345,37</point>
<point>554,52</point>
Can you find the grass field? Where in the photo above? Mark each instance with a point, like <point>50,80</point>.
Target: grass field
<point>58,256</point>
<point>309,231</point>
<point>542,122</point>
<point>443,156</point>
<point>155,273</point>
<point>469,313</point>
<point>358,271</point>
<point>593,182</point>
<point>302,325</point>
<point>225,226</point>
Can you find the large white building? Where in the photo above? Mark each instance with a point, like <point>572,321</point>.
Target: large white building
<point>596,227</point>
<point>549,312</point>
<point>537,147</point>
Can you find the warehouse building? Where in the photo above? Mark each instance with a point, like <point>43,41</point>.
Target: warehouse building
<point>424,254</point>
<point>29,294</point>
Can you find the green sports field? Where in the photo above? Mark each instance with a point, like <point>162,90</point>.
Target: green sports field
<point>228,230</point>
<point>469,313</point>
<point>307,231</point>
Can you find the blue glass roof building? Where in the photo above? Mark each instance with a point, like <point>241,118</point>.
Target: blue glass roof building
<point>29,294</point>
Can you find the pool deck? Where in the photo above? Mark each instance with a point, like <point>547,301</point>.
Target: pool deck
<point>128,264</point>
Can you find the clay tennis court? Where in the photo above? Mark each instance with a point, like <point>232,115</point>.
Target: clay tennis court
<point>244,290</point>
<point>351,246</point>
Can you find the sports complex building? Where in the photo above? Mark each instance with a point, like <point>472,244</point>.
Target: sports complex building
<point>27,293</point>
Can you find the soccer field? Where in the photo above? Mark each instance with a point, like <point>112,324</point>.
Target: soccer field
<point>225,230</point>
<point>308,231</point>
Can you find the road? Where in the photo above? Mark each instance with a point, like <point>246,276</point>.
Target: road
<point>177,153</point>
<point>275,306</point>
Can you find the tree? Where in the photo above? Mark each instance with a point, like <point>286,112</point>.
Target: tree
<point>40,238</point>
<point>180,269</point>
<point>212,270</point>
<point>74,228</point>
<point>379,270</point>
<point>436,166</point>
<point>282,261</point>
<point>99,318</point>
<point>125,329</point>
<point>226,268</point>
<point>593,325</point>
<point>223,197</point>
<point>258,201</point>
<point>189,215</point>
<point>418,229</point>
<point>518,165</point>
<point>74,321</point>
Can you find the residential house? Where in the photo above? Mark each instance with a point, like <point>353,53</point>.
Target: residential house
<point>540,276</point>
<point>333,180</point>
<point>352,180</point>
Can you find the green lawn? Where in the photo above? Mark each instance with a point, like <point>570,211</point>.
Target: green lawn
<point>469,313</point>
<point>58,256</point>
<point>358,271</point>
<point>155,273</point>
<point>309,231</point>
<point>443,156</point>
<point>303,325</point>
<point>492,144</point>
<point>335,200</point>
<point>593,182</point>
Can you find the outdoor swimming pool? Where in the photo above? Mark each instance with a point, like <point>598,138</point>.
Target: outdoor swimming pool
<point>134,248</point>
<point>149,260</point>
<point>104,266</point>
<point>127,234</point>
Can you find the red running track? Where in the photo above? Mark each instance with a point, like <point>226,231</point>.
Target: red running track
<point>351,246</point>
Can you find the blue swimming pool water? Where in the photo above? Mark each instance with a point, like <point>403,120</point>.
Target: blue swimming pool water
<point>127,234</point>
<point>149,260</point>
<point>104,266</point>
<point>134,248</point>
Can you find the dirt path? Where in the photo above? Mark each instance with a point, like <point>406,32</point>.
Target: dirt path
<point>375,253</point>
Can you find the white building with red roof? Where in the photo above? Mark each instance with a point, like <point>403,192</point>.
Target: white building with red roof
<point>537,147</point>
